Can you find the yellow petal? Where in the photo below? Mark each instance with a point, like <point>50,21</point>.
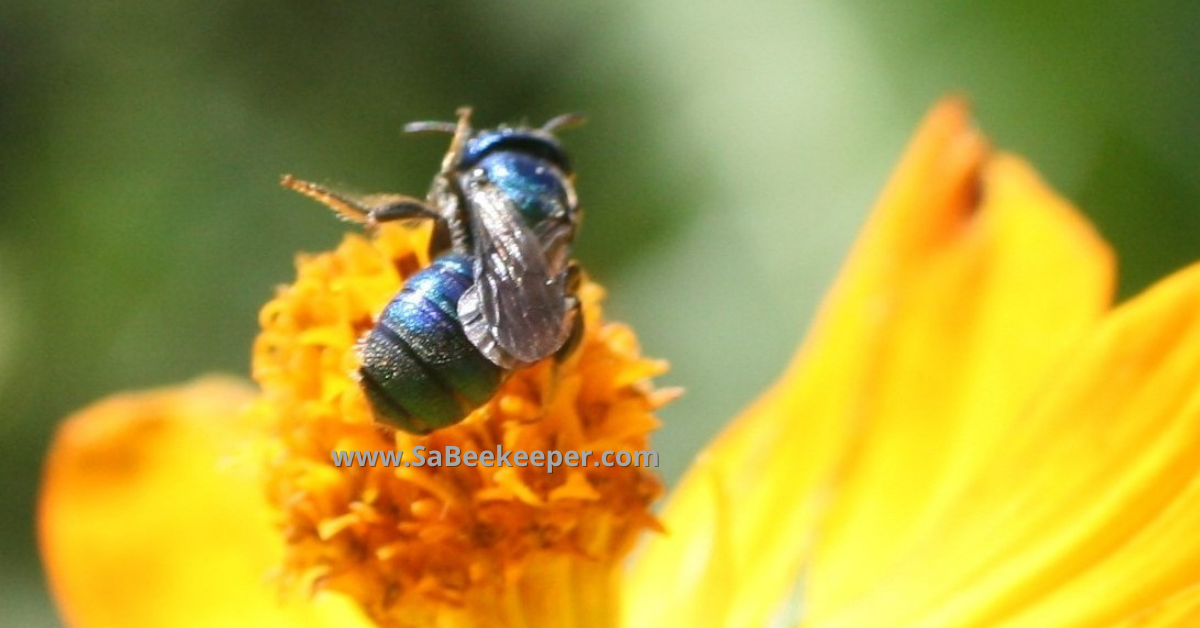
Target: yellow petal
<point>969,281</point>
<point>980,324</point>
<point>1178,611</point>
<point>148,518</point>
<point>1087,513</point>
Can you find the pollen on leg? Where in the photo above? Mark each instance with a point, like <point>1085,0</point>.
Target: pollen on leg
<point>473,545</point>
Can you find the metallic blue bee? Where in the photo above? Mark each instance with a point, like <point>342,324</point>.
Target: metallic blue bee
<point>500,293</point>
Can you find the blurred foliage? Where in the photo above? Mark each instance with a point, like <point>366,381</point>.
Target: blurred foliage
<point>731,153</point>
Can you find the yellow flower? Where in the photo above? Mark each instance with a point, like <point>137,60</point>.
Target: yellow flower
<point>971,436</point>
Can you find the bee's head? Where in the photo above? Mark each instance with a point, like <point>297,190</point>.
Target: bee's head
<point>469,148</point>
<point>537,143</point>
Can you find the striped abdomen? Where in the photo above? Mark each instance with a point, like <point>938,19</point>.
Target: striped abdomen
<point>419,370</point>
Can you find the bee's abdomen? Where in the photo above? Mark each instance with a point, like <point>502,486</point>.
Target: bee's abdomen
<point>419,370</point>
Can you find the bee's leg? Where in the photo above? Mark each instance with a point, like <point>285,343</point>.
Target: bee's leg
<point>575,314</point>
<point>573,279</point>
<point>460,130</point>
<point>387,207</point>
<point>446,201</point>
<point>373,209</point>
<point>346,206</point>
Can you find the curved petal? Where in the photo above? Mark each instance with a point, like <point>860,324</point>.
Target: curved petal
<point>992,312</point>
<point>147,518</point>
<point>1177,611</point>
<point>966,286</point>
<point>1087,513</point>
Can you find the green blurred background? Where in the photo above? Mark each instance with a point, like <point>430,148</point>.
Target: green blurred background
<point>731,153</point>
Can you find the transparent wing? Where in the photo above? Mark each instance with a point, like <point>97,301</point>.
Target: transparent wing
<point>517,311</point>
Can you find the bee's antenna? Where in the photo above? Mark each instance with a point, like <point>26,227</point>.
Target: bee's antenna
<point>430,126</point>
<point>461,130</point>
<point>565,121</point>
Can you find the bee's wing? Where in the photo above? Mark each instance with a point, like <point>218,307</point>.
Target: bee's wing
<point>516,310</point>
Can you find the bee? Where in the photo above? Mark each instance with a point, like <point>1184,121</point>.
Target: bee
<point>500,293</point>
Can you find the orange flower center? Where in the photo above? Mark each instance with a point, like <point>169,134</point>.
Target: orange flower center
<point>474,545</point>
